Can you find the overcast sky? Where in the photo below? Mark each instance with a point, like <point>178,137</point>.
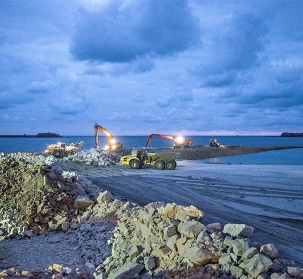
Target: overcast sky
<point>151,66</point>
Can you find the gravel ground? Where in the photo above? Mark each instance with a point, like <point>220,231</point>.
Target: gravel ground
<point>211,189</point>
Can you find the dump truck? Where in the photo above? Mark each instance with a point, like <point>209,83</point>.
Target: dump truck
<point>60,149</point>
<point>159,161</point>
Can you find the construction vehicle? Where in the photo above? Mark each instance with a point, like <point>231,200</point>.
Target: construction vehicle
<point>112,143</point>
<point>214,143</point>
<point>179,141</point>
<point>60,150</point>
<point>159,161</point>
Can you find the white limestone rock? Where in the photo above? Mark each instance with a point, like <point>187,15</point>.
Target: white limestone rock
<point>256,265</point>
<point>191,228</point>
<point>238,230</point>
<point>127,271</point>
<point>83,202</point>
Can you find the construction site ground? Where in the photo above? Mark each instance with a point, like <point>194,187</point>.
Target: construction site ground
<point>268,198</point>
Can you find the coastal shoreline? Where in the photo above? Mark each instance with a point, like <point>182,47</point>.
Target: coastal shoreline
<point>200,152</point>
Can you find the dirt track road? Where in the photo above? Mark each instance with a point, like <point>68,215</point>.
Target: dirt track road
<point>268,198</point>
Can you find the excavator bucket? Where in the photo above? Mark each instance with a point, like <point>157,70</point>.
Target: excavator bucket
<point>78,145</point>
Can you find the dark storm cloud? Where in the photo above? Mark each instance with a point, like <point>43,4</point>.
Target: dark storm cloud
<point>233,48</point>
<point>185,97</point>
<point>153,65</point>
<point>41,87</point>
<point>71,108</point>
<point>141,65</point>
<point>9,98</point>
<point>123,33</point>
<point>219,80</point>
<point>273,96</point>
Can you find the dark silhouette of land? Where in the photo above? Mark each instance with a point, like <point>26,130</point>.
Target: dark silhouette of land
<point>286,134</point>
<point>39,135</point>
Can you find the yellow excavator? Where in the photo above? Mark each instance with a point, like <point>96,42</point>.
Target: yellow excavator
<point>60,150</point>
<point>214,143</point>
<point>179,141</point>
<point>112,143</point>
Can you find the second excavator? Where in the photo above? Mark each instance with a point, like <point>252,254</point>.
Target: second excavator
<point>179,141</point>
<point>112,143</point>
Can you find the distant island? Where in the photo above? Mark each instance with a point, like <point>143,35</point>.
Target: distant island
<point>48,135</point>
<point>39,135</point>
<point>286,134</point>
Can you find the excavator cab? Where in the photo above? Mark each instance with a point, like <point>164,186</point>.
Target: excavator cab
<point>214,143</point>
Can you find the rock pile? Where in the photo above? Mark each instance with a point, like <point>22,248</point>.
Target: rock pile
<point>168,241</point>
<point>96,157</point>
<point>155,241</point>
<point>36,198</point>
<point>32,158</point>
<point>55,271</point>
<point>92,244</point>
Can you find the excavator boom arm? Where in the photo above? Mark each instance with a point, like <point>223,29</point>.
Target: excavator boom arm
<point>158,136</point>
<point>166,137</point>
<point>102,130</point>
<point>112,143</point>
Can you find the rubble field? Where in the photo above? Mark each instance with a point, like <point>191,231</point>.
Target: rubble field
<point>55,223</point>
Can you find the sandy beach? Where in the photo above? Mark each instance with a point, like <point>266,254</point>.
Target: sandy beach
<point>266,197</point>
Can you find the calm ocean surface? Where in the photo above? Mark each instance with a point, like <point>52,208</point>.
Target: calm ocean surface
<point>287,157</point>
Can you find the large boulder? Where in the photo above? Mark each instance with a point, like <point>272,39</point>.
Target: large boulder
<point>256,265</point>
<point>236,230</point>
<point>127,271</point>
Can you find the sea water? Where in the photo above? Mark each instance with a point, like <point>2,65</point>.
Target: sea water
<point>285,156</point>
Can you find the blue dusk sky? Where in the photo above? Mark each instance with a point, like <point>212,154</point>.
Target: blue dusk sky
<point>138,67</point>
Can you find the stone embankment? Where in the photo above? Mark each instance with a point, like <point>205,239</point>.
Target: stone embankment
<point>37,198</point>
<point>155,241</point>
<point>103,158</point>
<point>32,158</point>
<point>96,157</point>
<point>169,241</point>
<point>200,152</point>
<point>92,157</point>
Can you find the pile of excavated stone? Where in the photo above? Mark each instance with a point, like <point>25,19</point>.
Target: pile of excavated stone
<point>169,241</point>
<point>155,241</point>
<point>36,198</point>
<point>32,158</point>
<point>96,157</point>
<point>53,272</point>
